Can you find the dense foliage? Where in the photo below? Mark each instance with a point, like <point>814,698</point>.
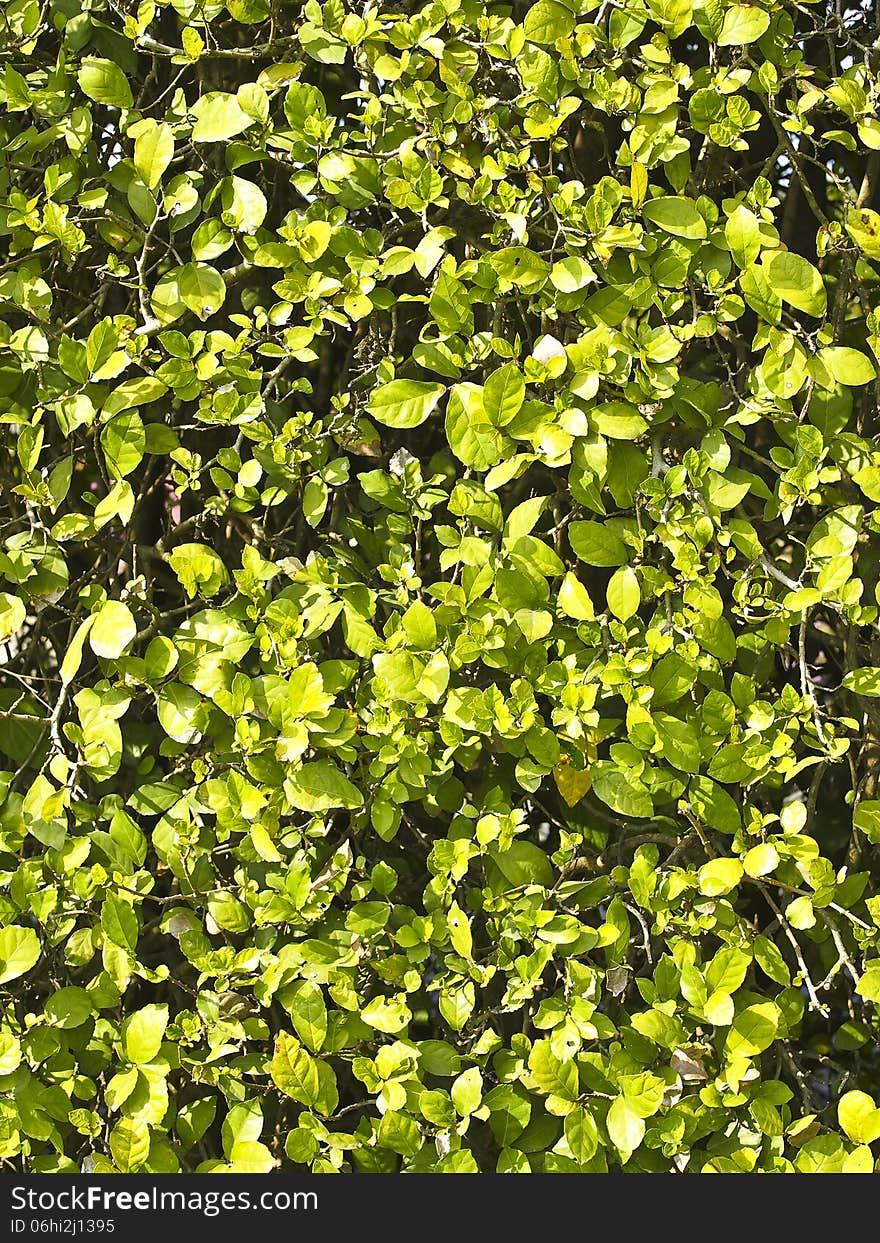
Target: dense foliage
<point>439,566</point>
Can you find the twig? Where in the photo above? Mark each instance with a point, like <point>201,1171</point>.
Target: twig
<point>149,44</point>
<point>792,939</point>
<point>771,569</point>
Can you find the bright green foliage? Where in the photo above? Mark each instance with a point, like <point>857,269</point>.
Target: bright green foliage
<point>439,586</point>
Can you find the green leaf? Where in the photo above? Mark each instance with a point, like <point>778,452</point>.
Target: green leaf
<point>664,1029</point>
<point>867,818</point>
<point>467,1092</point>
<point>244,210</point>
<point>623,593</point>
<point>503,394</point>
<point>199,569</point>
<point>511,1111</point>
<point>848,366</point>
<point>743,24</point>
<point>574,599</point>
<point>868,480</point>
<point>315,497</point>
<point>251,1157</point>
<point>743,236</point>
<point>626,1129</point>
<point>69,1007</point>
<point>143,1032</point>
<point>865,681</point>
<point>450,305</point>
<point>619,421</point>
<point>399,1133</point>
<point>388,1015</point>
<point>795,281</point>
<point>770,960</point>
<point>719,1009</point>
<point>615,789</point>
<point>571,274</point>
<point>112,631</point>
<point>304,1078</point>
<point>211,240</point>
<point>596,544</point>
<point>472,437</point>
<point>548,21</point>
<point>863,226</point>
<point>420,626</point>
<point>320,786</point>
<point>228,913</point>
<point>582,1134</point>
<point>552,1076</point>
<point>679,742</point>
<point>73,656</point>
<point>153,151</point>
<point>308,1011</point>
<point>12,614</point>
<point>119,922</point>
<point>676,215</point>
<point>753,1030</point>
<point>720,876</point>
<point>194,287</point>
<point>219,116</point>
<point>130,1144</point>
<point>522,863</point>
<point>104,82</point>
<point>405,403</point>
<point>859,1117</point>
<point>800,913</point>
<point>136,392</point>
<point>178,708</point>
<point>727,970</point>
<point>202,289</point>
<point>19,951</point>
<point>869,982</point>
<point>761,860</point>
<point>123,441</point>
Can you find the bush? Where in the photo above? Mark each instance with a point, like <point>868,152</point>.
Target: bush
<point>439,586</point>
